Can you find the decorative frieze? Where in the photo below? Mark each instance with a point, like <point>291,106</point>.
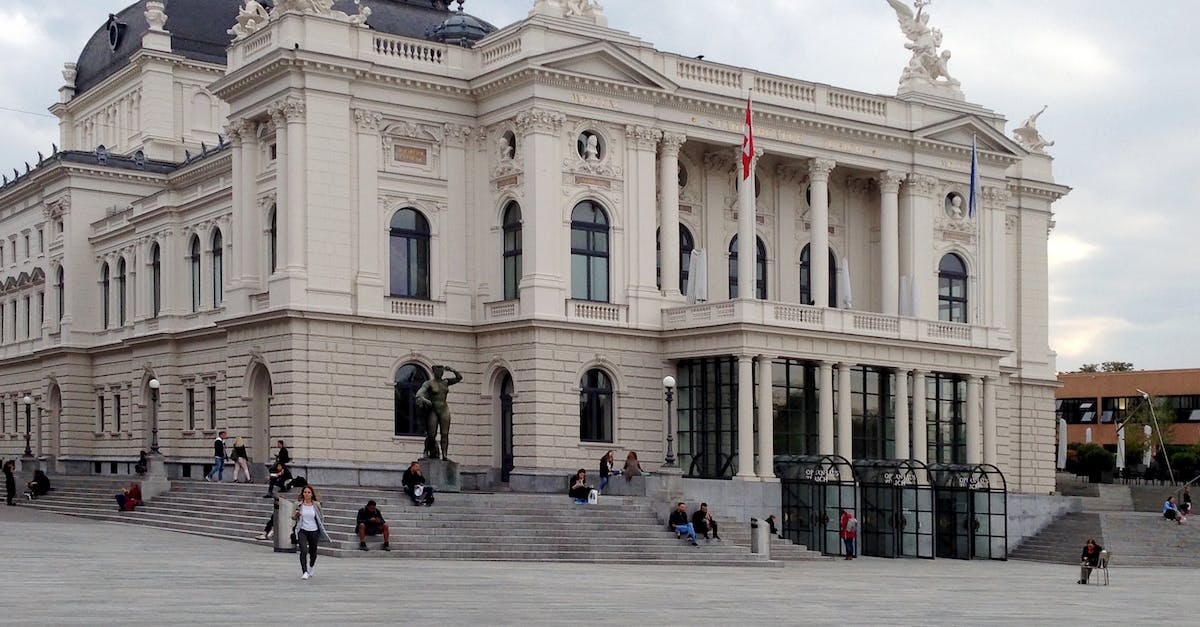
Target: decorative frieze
<point>367,121</point>
<point>456,135</point>
<point>889,181</point>
<point>920,183</point>
<point>642,138</point>
<point>819,169</point>
<point>540,121</point>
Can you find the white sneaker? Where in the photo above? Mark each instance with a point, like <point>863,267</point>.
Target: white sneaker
<point>261,536</point>
<point>312,570</point>
<point>305,576</point>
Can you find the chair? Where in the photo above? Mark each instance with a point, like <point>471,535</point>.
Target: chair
<point>1102,565</point>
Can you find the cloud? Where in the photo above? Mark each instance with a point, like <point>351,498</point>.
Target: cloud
<point>1087,337</point>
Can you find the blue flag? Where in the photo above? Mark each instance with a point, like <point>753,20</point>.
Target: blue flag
<point>973,201</point>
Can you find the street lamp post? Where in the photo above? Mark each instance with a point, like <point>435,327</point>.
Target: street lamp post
<point>154,424</point>
<point>28,400</point>
<point>669,393</point>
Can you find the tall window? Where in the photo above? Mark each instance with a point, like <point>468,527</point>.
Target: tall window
<point>41,307</point>
<point>156,278</point>
<point>3,317</point>
<point>28,318</point>
<point>512,251</point>
<point>61,286</point>
<point>952,289</point>
<point>273,240</point>
<point>707,410</point>
<point>946,402</point>
<point>190,408</point>
<point>121,292</point>
<point>589,252</point>
<point>218,268</point>
<point>595,407</point>
<point>103,293</point>
<point>409,254</point>
<point>408,380</point>
<point>117,412</point>
<point>41,237</point>
<point>100,417</point>
<point>873,416</point>
<point>686,245</point>
<point>760,269</point>
<point>806,295</point>
<point>212,406</point>
<point>194,257</point>
<point>795,387</point>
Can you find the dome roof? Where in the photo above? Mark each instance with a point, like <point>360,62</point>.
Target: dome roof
<point>461,29</point>
<point>198,30</point>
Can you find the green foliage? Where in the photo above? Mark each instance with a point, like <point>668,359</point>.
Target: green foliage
<point>1107,366</point>
<point>1092,459</point>
<point>1141,415</point>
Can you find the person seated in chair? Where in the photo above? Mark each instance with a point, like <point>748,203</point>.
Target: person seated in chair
<point>579,488</point>
<point>703,522</point>
<point>370,523</point>
<point>415,486</point>
<point>1089,559</point>
<point>680,525</point>
<point>129,498</point>
<point>40,486</point>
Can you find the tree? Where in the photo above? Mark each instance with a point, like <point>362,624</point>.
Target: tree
<point>1089,368</point>
<point>1107,366</point>
<point>1136,441</point>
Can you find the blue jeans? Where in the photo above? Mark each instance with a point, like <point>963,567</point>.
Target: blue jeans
<point>688,529</point>
<point>217,469</point>
<point>603,483</point>
<point>849,546</point>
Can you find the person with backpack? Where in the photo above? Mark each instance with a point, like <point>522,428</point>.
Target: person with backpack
<point>849,531</point>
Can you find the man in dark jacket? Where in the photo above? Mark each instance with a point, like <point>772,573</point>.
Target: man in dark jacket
<point>282,456</point>
<point>680,525</point>
<point>370,523</point>
<point>219,458</point>
<point>415,487</point>
<point>10,482</point>
<point>40,486</point>
<point>703,522</point>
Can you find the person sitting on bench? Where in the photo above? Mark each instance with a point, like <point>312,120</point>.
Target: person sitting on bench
<point>370,522</point>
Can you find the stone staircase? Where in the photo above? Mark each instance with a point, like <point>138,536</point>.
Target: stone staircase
<point>1061,541</point>
<point>469,526</point>
<point>1148,539</point>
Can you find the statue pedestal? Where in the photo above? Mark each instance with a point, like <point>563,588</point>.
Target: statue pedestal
<point>155,481</point>
<point>442,474</point>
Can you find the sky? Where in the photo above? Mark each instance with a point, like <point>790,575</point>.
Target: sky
<point>1120,79</point>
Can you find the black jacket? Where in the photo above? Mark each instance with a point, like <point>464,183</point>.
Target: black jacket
<point>412,479</point>
<point>1092,558</point>
<point>678,518</point>
<point>219,448</point>
<point>700,520</point>
<point>605,467</point>
<point>282,456</point>
<point>365,516</point>
<point>40,486</point>
<point>10,484</point>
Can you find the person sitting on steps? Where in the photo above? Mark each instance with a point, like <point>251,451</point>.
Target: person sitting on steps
<point>1171,511</point>
<point>370,523</point>
<point>280,477</point>
<point>680,525</point>
<point>129,498</point>
<point>415,486</point>
<point>40,486</point>
<point>579,488</point>
<point>703,523</point>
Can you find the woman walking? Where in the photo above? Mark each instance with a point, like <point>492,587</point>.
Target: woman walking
<point>241,460</point>
<point>310,529</point>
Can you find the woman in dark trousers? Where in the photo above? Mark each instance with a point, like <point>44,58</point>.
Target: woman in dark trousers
<point>10,483</point>
<point>40,486</point>
<point>310,529</point>
<point>579,487</point>
<point>1089,559</point>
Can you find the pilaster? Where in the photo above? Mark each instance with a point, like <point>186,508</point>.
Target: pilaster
<point>543,290</point>
<point>818,253</point>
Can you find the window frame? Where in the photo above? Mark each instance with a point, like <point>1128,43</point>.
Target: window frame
<point>806,277</point>
<point>512,245</point>
<point>418,243</point>
<point>760,268</point>
<point>194,265</point>
<point>597,413</point>
<point>591,255</point>
<point>104,295</point>
<point>687,244</point>
<point>218,267</point>
<point>948,280</point>
<point>155,279</point>
<point>404,393</point>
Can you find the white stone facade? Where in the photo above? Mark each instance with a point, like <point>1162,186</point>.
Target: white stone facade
<point>333,129</point>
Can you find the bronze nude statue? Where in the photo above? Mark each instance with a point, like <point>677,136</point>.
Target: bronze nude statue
<point>431,398</point>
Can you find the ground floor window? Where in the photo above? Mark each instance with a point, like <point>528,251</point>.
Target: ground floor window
<point>408,380</point>
<point>873,413</point>
<point>794,392</point>
<point>707,413</point>
<point>945,418</point>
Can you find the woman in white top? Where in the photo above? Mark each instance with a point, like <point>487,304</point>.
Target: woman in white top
<point>310,528</point>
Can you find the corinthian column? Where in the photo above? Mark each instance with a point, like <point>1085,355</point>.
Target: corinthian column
<point>297,183</point>
<point>668,195</point>
<point>889,242</point>
<point>747,231</point>
<point>818,252</point>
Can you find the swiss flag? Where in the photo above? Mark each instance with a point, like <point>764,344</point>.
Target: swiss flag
<point>747,143</point>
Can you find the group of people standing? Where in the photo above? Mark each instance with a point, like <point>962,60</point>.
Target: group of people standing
<point>239,457</point>
<point>39,485</point>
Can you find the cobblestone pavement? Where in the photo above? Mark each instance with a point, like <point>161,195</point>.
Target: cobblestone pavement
<point>60,570</point>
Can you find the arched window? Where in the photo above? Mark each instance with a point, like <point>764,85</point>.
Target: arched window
<point>952,289</point>
<point>595,407</point>
<point>194,256</point>
<point>512,251</point>
<point>410,254</point>
<point>589,252</point>
<point>686,245</point>
<point>408,380</point>
<point>273,240</point>
<point>104,297</point>
<point>507,459</point>
<point>121,292</point>
<point>62,292</point>
<point>760,269</point>
<point>218,267</point>
<point>155,279</point>
<point>806,296</point>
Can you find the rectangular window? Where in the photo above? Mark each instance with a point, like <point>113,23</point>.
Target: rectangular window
<point>28,328</point>
<point>190,408</point>
<point>41,233</point>
<point>117,413</point>
<point>794,388</point>
<point>42,307</point>
<point>3,417</point>
<point>872,414</point>
<point>212,407</point>
<point>3,337</point>
<point>707,411</point>
<point>27,249</point>
<point>945,411</point>
<point>100,419</point>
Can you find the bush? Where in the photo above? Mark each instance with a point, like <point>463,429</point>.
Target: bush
<point>1093,460</point>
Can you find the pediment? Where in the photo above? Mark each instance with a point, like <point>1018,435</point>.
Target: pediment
<point>606,62</point>
<point>959,131</point>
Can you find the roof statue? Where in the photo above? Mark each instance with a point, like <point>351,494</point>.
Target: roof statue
<point>252,17</point>
<point>320,7</point>
<point>589,10</point>
<point>1028,136</point>
<point>927,70</point>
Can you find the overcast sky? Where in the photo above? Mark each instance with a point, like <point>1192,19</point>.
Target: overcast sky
<point>1120,79</point>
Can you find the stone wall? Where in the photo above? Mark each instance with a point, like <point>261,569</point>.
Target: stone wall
<point>1028,514</point>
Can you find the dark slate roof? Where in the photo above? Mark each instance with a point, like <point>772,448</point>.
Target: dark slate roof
<point>102,158</point>
<point>198,30</point>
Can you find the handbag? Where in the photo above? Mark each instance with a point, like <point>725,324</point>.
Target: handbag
<point>418,490</point>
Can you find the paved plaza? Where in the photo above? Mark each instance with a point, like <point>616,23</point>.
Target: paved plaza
<point>63,570</point>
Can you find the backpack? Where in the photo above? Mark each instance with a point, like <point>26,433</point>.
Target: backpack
<point>852,525</point>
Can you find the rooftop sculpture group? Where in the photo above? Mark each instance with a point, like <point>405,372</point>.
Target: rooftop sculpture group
<point>253,16</point>
<point>927,71</point>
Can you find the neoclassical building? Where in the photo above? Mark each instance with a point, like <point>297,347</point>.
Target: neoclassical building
<point>286,215</point>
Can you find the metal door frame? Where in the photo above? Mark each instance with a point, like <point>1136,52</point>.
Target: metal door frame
<point>813,491</point>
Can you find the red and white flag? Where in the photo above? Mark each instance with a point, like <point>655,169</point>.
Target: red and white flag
<point>747,143</point>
